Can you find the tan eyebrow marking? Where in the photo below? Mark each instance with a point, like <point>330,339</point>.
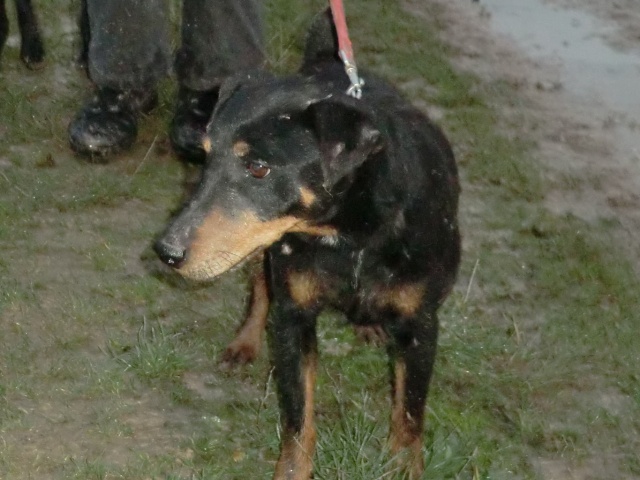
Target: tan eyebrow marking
<point>206,144</point>
<point>240,148</point>
<point>307,197</point>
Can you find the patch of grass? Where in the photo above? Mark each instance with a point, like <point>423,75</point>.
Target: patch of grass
<point>8,413</point>
<point>351,447</point>
<point>155,356</point>
<point>145,467</point>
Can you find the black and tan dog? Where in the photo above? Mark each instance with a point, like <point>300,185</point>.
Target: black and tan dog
<point>31,49</point>
<point>353,203</point>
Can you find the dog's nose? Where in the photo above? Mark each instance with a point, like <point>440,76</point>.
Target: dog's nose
<point>170,254</point>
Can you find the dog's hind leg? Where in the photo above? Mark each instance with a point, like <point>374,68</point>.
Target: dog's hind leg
<point>245,347</point>
<point>31,49</point>
<point>412,350</point>
<point>371,334</point>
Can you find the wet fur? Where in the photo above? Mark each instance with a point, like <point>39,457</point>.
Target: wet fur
<point>358,212</point>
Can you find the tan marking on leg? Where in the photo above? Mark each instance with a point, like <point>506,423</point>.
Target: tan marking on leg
<point>296,453</point>
<point>246,346</point>
<point>206,144</point>
<point>405,299</point>
<point>307,197</point>
<point>405,438</point>
<point>304,287</point>
<point>241,148</point>
<point>397,438</point>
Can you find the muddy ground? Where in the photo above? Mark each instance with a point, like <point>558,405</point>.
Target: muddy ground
<point>588,145</point>
<point>584,140</point>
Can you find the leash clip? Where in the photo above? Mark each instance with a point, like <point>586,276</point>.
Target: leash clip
<point>355,90</point>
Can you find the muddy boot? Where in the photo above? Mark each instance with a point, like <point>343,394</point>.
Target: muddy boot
<point>193,110</point>
<point>108,123</point>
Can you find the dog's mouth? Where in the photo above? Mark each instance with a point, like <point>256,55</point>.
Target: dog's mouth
<point>222,243</point>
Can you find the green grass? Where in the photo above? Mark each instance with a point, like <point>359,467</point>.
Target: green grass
<point>108,364</point>
<point>155,355</point>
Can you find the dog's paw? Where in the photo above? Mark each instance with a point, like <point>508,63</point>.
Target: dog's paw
<point>32,53</point>
<point>371,334</point>
<point>239,353</point>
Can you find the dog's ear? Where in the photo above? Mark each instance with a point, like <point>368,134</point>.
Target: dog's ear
<point>322,40</point>
<point>347,136</point>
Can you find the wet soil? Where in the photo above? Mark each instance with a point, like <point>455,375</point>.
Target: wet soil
<point>575,68</point>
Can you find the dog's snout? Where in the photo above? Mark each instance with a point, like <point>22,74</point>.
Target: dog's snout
<point>171,254</point>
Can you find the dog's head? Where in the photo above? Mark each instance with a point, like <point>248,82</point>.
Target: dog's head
<point>277,151</point>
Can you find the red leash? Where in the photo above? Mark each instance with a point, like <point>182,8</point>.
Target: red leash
<point>345,49</point>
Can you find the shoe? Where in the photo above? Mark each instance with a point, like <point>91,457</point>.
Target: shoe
<point>108,123</point>
<point>189,124</point>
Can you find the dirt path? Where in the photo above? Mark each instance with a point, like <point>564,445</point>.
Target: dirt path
<point>625,14</point>
<point>571,70</point>
<point>587,130</point>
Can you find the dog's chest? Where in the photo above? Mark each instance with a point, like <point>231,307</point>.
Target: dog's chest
<point>362,283</point>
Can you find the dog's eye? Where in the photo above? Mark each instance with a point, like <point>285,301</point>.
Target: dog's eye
<point>258,169</point>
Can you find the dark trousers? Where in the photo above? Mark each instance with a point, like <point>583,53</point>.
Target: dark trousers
<point>130,44</point>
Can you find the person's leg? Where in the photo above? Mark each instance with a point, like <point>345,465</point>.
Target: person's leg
<point>219,38</point>
<point>129,52</point>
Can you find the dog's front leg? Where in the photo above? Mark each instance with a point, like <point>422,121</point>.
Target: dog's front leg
<point>412,350</point>
<point>245,347</point>
<point>293,346</point>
